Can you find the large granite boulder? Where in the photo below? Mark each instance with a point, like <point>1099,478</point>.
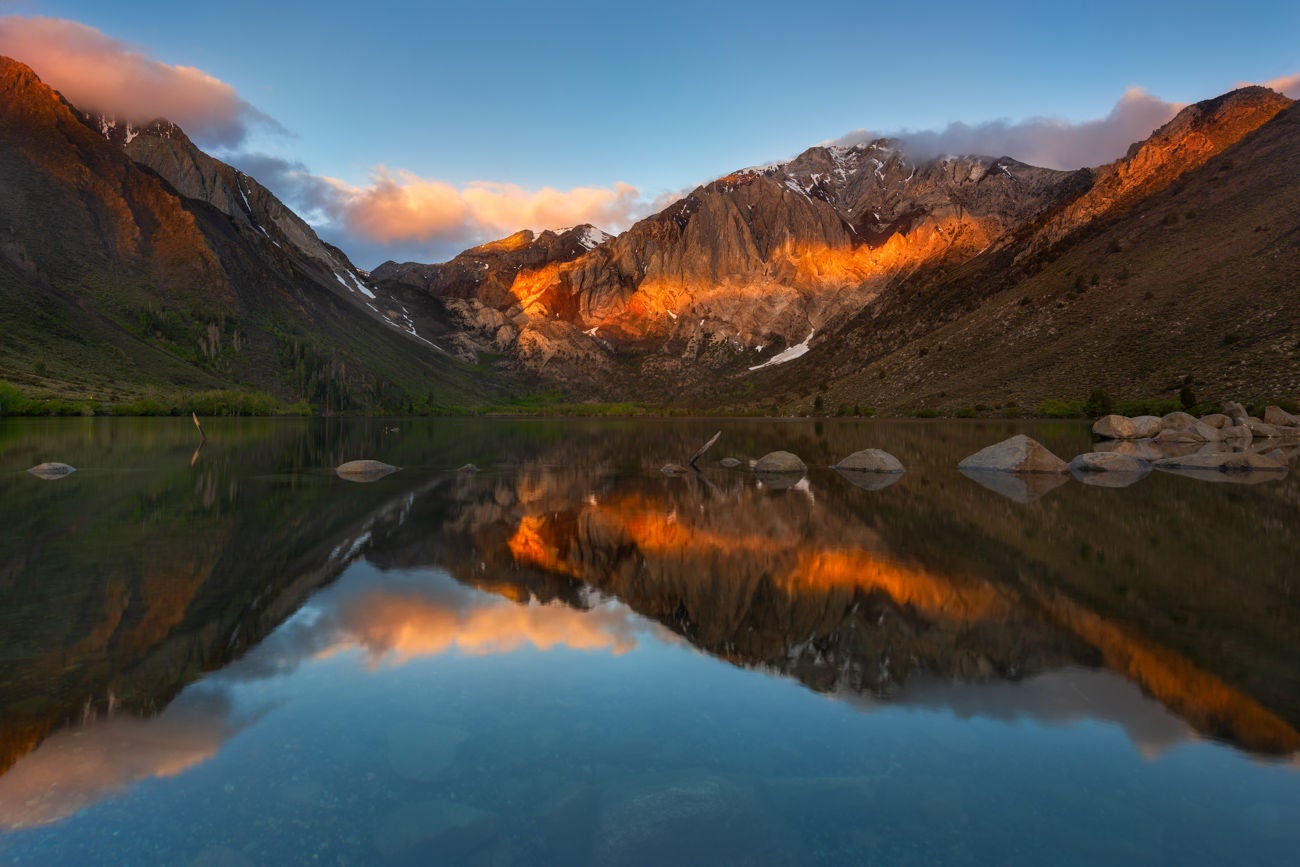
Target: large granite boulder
<point>1019,454</point>
<point>1148,425</point>
<point>1235,411</point>
<point>1262,430</point>
<point>780,462</point>
<point>1217,420</point>
<point>1279,417</point>
<point>1196,432</point>
<point>1115,427</point>
<point>871,461</point>
<point>1178,420</point>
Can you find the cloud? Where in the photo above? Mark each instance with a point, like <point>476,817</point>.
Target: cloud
<point>401,209</point>
<point>96,72</point>
<point>1287,85</point>
<point>1041,141</point>
<point>404,207</point>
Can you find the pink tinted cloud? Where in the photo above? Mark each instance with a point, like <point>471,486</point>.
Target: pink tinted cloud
<point>1042,141</point>
<point>1287,85</point>
<point>96,72</point>
<point>404,207</point>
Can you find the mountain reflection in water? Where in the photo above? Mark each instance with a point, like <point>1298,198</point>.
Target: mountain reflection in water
<point>123,584</point>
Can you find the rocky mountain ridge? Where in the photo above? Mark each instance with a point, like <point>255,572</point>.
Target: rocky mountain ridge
<point>769,263</point>
<point>132,261</point>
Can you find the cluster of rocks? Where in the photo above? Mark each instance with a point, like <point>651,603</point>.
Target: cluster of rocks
<point>1234,425</point>
<point>1035,469</point>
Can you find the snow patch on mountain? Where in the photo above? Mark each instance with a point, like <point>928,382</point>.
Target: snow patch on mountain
<point>788,354</point>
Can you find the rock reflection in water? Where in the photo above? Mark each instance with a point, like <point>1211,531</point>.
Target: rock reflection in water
<point>869,594</point>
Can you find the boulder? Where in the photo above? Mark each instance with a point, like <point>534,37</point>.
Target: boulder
<point>1019,454</point>
<point>1115,427</point>
<point>1239,434</point>
<point>468,469</point>
<point>1108,462</point>
<point>1178,420</point>
<point>1196,432</point>
<point>364,471</point>
<point>729,463</point>
<point>1234,411</point>
<point>1279,417</point>
<point>51,470</point>
<point>673,469</point>
<point>1259,429</point>
<point>1148,426</point>
<point>779,462</point>
<point>1174,435</point>
<point>871,461</point>
<point>1216,419</point>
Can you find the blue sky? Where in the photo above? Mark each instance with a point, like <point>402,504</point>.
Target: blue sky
<point>656,96</point>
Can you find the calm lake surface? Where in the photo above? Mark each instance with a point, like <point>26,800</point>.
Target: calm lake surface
<point>233,656</point>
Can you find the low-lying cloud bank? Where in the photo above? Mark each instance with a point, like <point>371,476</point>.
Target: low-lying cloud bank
<point>1041,141</point>
<point>1050,142</point>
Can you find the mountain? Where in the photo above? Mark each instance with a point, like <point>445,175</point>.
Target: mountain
<point>133,263</point>
<point>1164,277</point>
<point>855,260</point>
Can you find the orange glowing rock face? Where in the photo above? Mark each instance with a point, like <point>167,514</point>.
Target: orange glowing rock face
<point>793,276</point>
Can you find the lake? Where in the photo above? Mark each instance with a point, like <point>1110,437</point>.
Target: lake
<point>233,656</point>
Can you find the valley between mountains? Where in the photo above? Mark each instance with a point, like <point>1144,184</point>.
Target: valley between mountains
<point>135,267</point>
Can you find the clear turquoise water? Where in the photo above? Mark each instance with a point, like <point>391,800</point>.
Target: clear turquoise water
<point>251,661</point>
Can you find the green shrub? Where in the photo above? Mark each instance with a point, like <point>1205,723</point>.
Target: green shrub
<point>1053,408</point>
<point>1099,403</point>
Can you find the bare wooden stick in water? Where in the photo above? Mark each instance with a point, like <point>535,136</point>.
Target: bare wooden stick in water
<point>704,448</point>
<point>204,437</point>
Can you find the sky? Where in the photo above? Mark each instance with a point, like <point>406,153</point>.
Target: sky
<point>412,130</point>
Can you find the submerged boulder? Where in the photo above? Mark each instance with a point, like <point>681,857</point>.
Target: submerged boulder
<point>780,462</point>
<point>1019,454</point>
<point>729,463</point>
<point>51,470</point>
<point>364,471</point>
<point>673,470</point>
<point>871,461</point>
